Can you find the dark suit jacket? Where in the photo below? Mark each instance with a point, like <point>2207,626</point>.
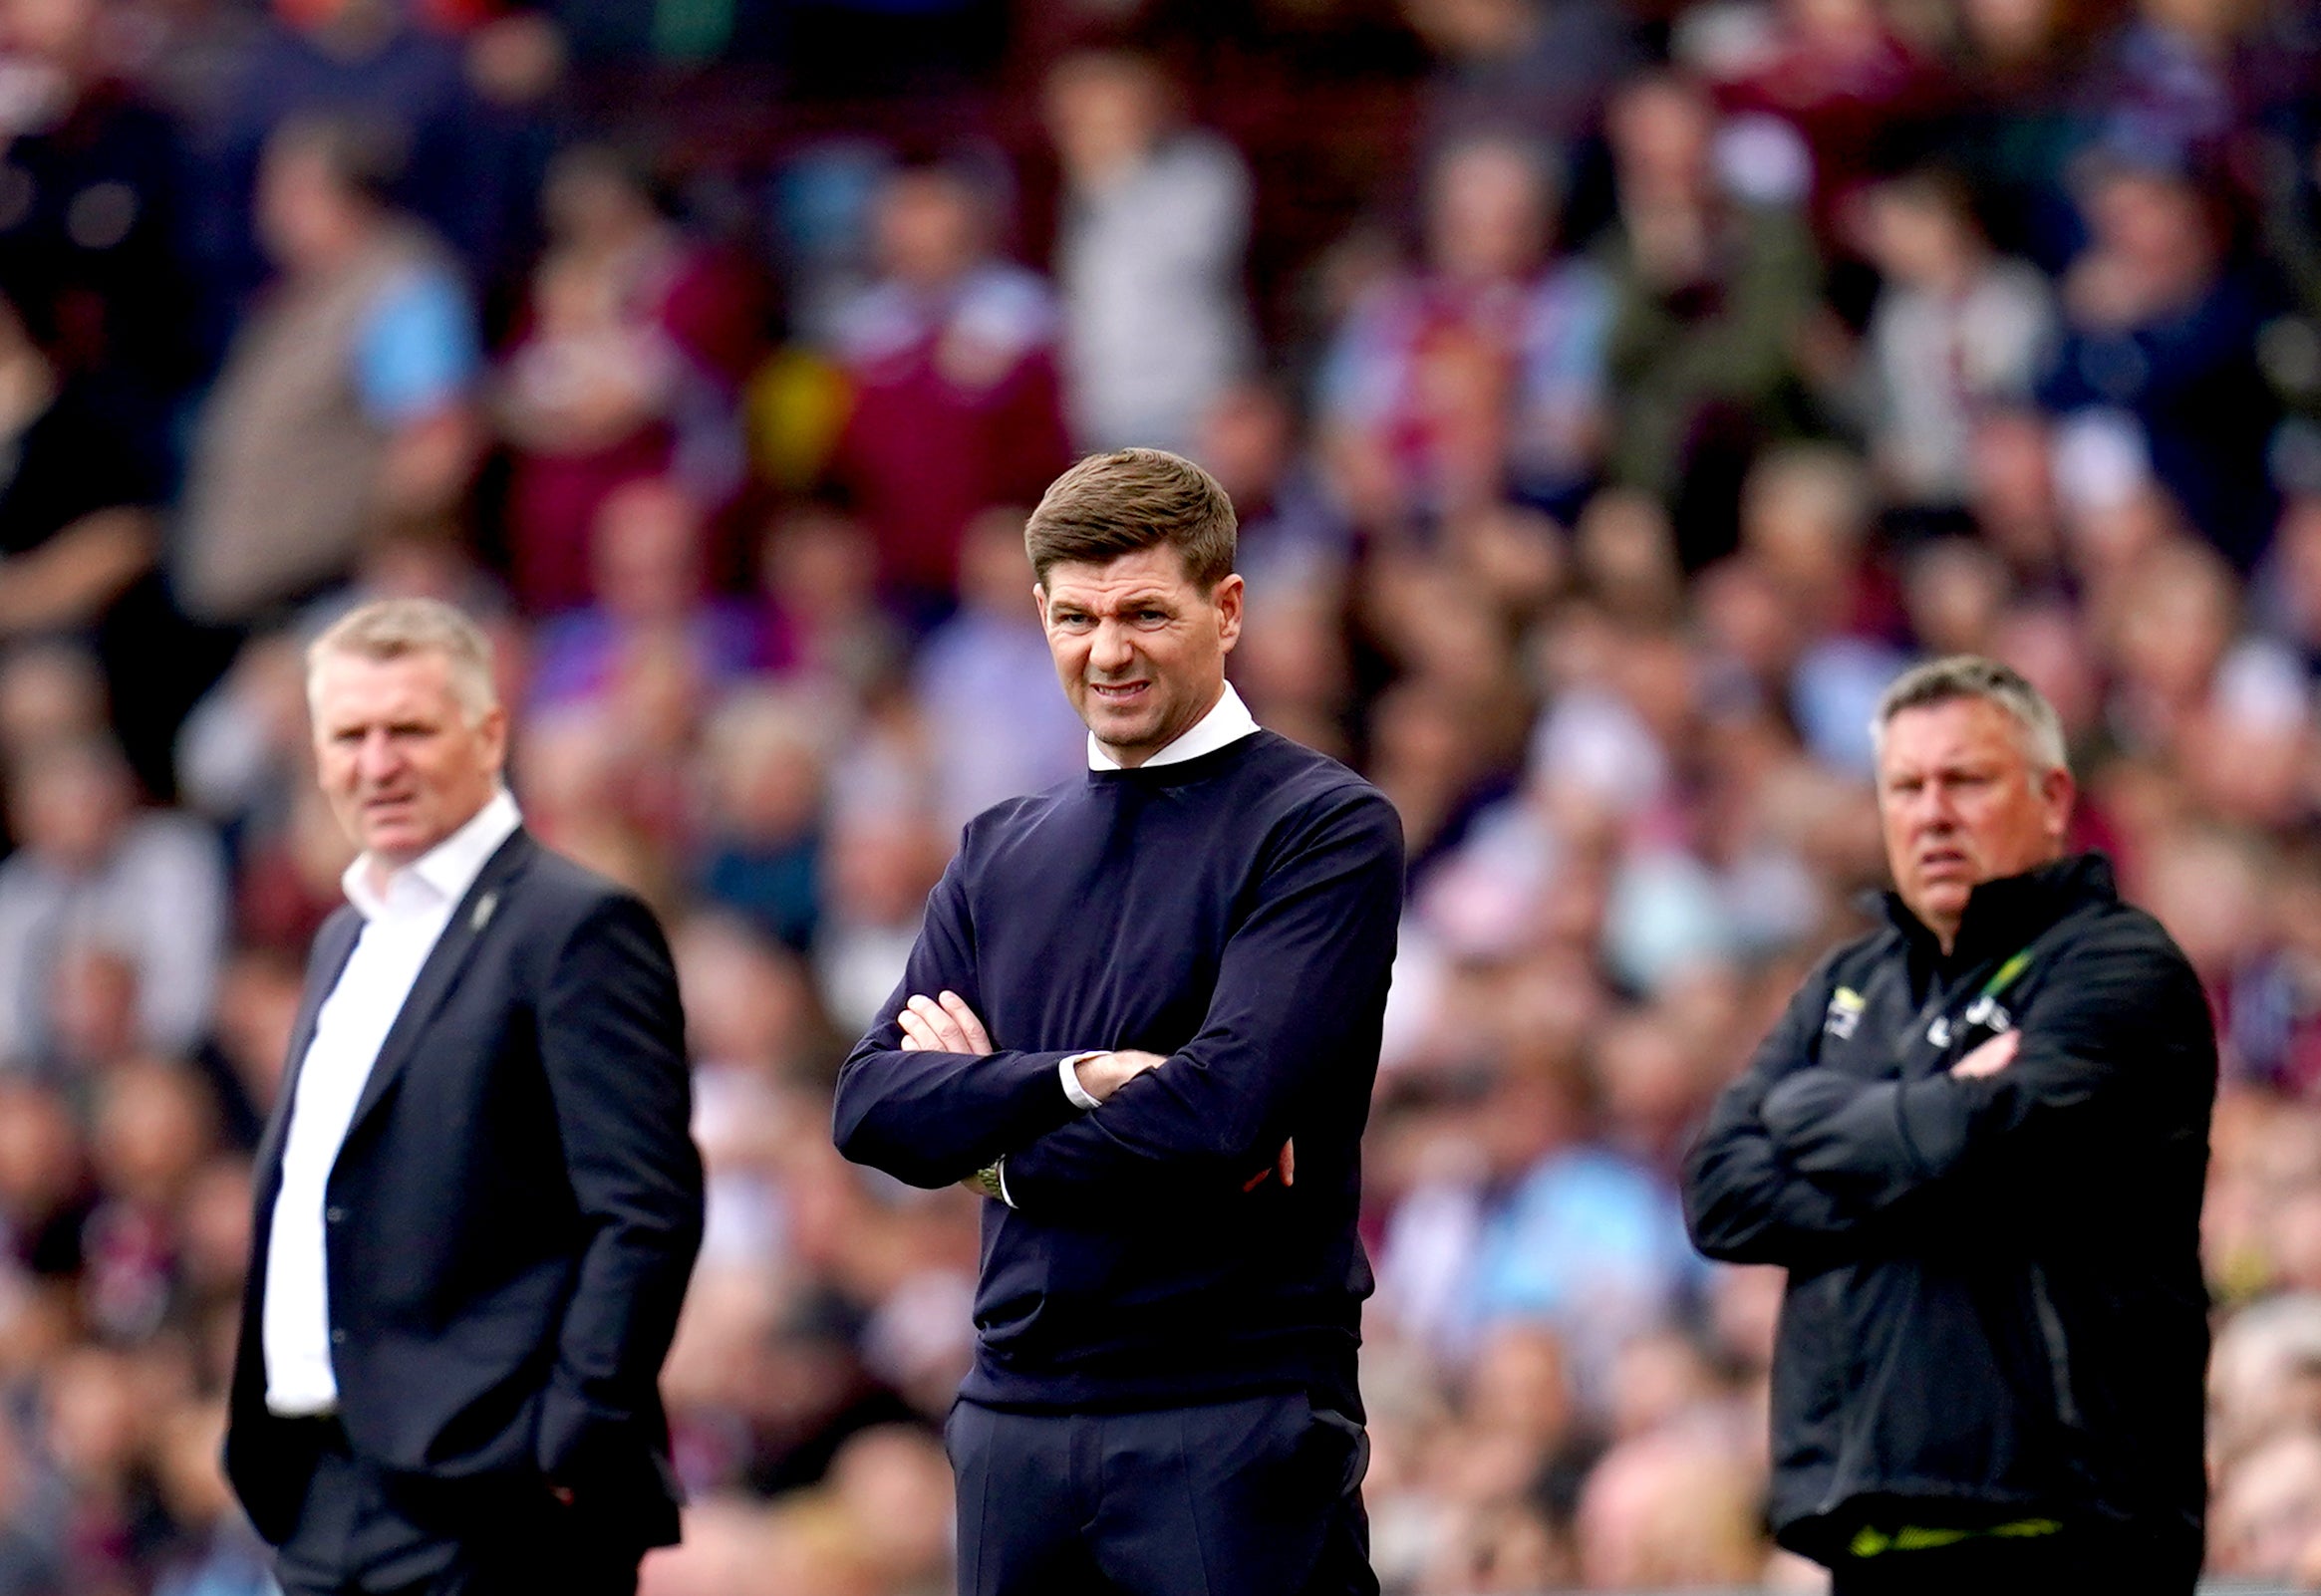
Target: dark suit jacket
<point>512,1217</point>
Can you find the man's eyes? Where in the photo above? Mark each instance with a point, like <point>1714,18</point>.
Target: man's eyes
<point>1949,778</point>
<point>352,735</point>
<point>1066,620</point>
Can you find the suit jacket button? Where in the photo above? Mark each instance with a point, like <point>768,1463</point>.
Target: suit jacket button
<point>334,1213</point>
<point>338,1338</point>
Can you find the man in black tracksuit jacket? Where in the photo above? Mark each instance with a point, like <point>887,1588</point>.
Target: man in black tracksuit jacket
<point>1978,1139</point>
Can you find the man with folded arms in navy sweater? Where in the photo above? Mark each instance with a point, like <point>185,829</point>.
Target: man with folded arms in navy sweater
<point>1142,1017</point>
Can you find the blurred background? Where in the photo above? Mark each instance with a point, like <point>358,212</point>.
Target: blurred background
<point>1617,394</point>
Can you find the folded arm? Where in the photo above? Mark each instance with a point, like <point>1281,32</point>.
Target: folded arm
<point>933,1108</point>
<point>2110,1022</point>
<point>1300,990</point>
<point>1743,1201</point>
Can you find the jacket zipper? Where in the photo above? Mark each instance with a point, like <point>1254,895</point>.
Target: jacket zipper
<point>2058,1350</point>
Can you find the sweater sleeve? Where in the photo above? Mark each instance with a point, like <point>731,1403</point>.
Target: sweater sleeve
<point>1743,1203</point>
<point>928,1119</point>
<point>1300,993</point>
<point>2115,1032</point>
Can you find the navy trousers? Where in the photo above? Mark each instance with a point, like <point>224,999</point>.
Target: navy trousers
<point>364,1532</point>
<point>1254,1497</point>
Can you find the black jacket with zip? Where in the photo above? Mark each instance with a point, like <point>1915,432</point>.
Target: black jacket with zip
<point>1995,1310</point>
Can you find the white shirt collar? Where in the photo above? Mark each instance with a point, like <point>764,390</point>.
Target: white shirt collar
<point>1228,721</point>
<point>444,872</point>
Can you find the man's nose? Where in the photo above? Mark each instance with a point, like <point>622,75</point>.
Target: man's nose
<point>378,758</point>
<point>1111,650</point>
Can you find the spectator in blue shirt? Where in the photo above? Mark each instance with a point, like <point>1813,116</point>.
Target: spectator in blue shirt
<point>344,407</point>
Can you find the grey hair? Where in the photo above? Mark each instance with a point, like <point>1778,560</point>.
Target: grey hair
<point>391,629</point>
<point>1970,676</point>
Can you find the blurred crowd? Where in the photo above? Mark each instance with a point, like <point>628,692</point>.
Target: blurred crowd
<point>1671,375</point>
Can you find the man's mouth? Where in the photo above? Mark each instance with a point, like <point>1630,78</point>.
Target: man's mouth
<point>1117,691</point>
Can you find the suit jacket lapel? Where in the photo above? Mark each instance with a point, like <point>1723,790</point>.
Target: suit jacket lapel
<point>440,972</point>
<point>333,948</point>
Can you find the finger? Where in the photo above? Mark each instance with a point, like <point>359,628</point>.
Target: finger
<point>1288,1162</point>
<point>1256,1179</point>
<point>948,1038</point>
<point>1989,1058</point>
<point>978,1040</point>
<point>915,1035</point>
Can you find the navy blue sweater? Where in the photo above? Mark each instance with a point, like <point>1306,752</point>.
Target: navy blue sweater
<point>1236,913</point>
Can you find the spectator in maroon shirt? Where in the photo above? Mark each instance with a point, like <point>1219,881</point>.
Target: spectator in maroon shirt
<point>951,355</point>
<point>629,364</point>
<point>1848,84</point>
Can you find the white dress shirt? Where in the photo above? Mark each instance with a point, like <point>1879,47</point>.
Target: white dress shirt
<point>401,926</point>
<point>1228,721</point>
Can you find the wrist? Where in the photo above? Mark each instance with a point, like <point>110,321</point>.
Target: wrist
<point>992,1182</point>
<point>1076,1089</point>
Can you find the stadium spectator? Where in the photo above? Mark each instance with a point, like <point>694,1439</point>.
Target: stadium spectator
<point>1708,293</point>
<point>825,627</point>
<point>1954,329</point>
<point>98,173</point>
<point>956,400</point>
<point>996,725</point>
<point>1542,69</point>
<point>629,364</point>
<point>649,545</point>
<point>93,868</point>
<point>1292,527</point>
<point>468,156</point>
<point>2160,342</point>
<point>1149,255</point>
<point>1480,374</point>
<point>761,854</point>
<point>1851,89</point>
<point>79,546</point>
<point>344,409</point>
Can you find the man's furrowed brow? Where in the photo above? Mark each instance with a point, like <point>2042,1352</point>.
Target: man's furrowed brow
<point>1154,599</point>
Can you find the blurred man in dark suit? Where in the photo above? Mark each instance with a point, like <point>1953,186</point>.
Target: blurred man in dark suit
<point>478,1203</point>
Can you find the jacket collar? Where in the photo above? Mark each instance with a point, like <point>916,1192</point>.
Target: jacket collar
<point>2004,913</point>
<point>336,945</point>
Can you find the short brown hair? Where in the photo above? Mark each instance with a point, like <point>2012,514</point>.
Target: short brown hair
<point>389,629</point>
<point>1130,500</point>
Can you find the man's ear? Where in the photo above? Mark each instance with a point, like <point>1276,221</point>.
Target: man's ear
<point>493,727</point>
<point>2058,792</point>
<point>1227,597</point>
<point>1040,603</point>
